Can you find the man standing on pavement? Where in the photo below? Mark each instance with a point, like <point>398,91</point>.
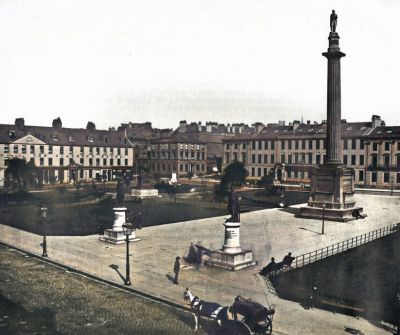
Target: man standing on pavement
<point>177,267</point>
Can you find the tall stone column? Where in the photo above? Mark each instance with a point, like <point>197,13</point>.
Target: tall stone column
<point>333,140</point>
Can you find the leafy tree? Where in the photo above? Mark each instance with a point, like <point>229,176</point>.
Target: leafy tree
<point>234,175</point>
<point>20,173</point>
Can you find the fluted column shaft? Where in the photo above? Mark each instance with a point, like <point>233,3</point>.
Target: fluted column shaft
<point>333,140</point>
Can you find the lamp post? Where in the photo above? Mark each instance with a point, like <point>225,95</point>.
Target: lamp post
<point>323,218</point>
<point>127,228</point>
<point>43,214</point>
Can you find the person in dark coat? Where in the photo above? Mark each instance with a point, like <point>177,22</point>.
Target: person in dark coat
<point>177,267</point>
<point>271,266</point>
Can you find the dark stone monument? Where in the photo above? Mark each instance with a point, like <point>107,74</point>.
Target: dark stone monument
<point>332,184</point>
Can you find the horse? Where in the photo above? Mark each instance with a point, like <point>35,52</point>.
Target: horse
<point>212,310</point>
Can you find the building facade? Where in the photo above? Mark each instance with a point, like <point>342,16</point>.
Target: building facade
<point>292,151</point>
<point>64,155</point>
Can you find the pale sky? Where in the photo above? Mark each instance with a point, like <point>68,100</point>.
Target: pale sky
<point>164,61</point>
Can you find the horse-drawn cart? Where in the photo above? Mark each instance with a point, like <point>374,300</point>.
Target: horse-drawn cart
<point>255,316</point>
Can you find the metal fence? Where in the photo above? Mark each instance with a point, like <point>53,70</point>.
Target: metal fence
<point>337,248</point>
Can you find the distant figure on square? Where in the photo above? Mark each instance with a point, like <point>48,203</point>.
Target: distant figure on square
<point>333,21</point>
<point>233,207</point>
<point>177,267</point>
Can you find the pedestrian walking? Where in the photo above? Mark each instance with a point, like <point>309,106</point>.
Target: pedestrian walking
<point>177,267</point>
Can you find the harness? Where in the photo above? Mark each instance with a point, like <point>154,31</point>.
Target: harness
<point>210,309</point>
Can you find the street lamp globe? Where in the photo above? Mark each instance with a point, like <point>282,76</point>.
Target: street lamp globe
<point>127,229</point>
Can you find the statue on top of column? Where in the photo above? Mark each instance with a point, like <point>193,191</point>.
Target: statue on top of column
<point>333,21</point>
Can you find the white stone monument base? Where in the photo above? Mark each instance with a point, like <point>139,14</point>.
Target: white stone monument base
<point>231,256</point>
<point>117,237</point>
<point>231,261</point>
<point>116,234</point>
<point>143,193</point>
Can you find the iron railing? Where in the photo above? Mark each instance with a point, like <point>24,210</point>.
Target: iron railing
<point>337,248</point>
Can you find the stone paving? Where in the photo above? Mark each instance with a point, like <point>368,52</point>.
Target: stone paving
<point>271,232</point>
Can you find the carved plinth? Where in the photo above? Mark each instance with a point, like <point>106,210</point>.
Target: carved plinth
<point>332,195</point>
<point>231,256</point>
<point>116,234</point>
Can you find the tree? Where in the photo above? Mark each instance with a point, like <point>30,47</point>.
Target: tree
<point>20,173</point>
<point>234,175</point>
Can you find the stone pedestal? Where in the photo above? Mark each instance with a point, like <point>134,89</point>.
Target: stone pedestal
<point>332,186</point>
<point>116,234</point>
<point>143,193</point>
<point>231,256</point>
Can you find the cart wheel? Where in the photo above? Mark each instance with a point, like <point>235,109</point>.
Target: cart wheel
<point>264,327</point>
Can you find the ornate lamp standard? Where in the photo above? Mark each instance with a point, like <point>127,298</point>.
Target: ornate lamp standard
<point>323,218</point>
<point>43,215</point>
<point>127,228</point>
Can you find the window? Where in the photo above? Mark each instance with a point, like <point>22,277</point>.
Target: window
<point>253,171</point>
<point>226,157</point>
<point>32,149</point>
<point>111,162</point>
<point>387,146</point>
<point>71,150</point>
<point>81,161</point>
<point>253,158</point>
<point>15,149</point>
<point>104,161</point>
<point>282,158</point>
<point>50,149</point>
<point>386,161</point>
<point>361,144</point>
<point>243,158</point>
<point>50,161</point>
<point>318,159</point>
<point>41,162</point>
<point>61,150</point>
<point>373,177</point>
<point>234,156</point>
<point>353,160</point>
<point>259,159</point>
<point>90,161</point>
<point>126,151</point>
<point>272,145</point>
<point>386,177</point>
<point>283,145</point>
<point>23,148</point>
<point>71,138</point>
<point>97,161</point>
<point>6,149</point>
<point>259,145</point>
<point>71,161</point>
<point>345,159</point>
<point>41,148</point>
<point>259,172</point>
<point>296,143</point>
<point>126,162</point>
<point>119,162</point>
<point>318,144</point>
<point>265,159</point>
<point>374,146</point>
<point>253,145</point>
<point>360,175</point>
<point>81,150</point>
<point>361,159</point>
<point>244,145</point>
<point>289,158</point>
<point>353,144</point>
<point>290,145</point>
<point>272,159</point>
<point>374,161</point>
